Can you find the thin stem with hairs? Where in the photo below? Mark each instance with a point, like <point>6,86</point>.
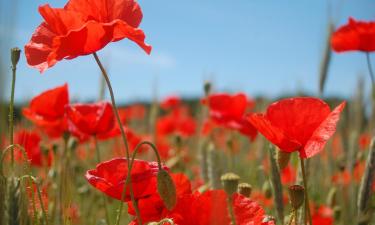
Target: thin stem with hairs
<point>307,203</point>
<point>123,135</point>
<point>127,181</point>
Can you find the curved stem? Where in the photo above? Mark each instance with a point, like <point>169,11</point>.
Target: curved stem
<point>11,148</point>
<point>11,113</point>
<point>307,203</point>
<point>127,181</point>
<point>105,75</point>
<point>123,135</point>
<point>104,197</point>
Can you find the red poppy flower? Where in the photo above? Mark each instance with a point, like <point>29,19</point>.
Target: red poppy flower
<point>301,124</point>
<point>132,112</point>
<point>211,208</point>
<point>229,110</point>
<point>47,110</point>
<point>323,216</point>
<point>179,121</point>
<point>83,27</point>
<point>109,177</point>
<point>31,142</point>
<point>170,102</point>
<point>152,208</point>
<point>354,36</point>
<point>364,141</point>
<point>288,175</point>
<point>95,119</point>
<point>208,208</point>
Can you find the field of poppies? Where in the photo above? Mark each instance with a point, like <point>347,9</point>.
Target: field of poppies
<point>225,158</point>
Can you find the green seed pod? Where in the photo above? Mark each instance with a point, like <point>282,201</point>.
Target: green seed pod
<point>282,159</point>
<point>245,189</point>
<point>230,182</point>
<point>266,188</point>
<point>296,196</point>
<point>15,56</point>
<point>167,189</point>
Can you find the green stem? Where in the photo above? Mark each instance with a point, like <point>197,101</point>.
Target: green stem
<point>292,217</point>
<point>11,113</point>
<point>107,217</point>
<point>129,174</point>
<point>105,75</point>
<point>370,68</point>
<point>231,211</point>
<point>307,205</point>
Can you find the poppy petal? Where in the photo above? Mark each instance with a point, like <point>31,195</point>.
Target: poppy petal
<point>321,135</point>
<point>272,133</point>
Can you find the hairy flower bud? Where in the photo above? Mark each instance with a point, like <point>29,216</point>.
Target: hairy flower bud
<point>245,189</point>
<point>167,189</point>
<point>230,182</point>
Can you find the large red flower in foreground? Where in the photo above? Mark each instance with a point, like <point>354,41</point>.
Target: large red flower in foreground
<point>301,124</point>
<point>95,119</point>
<point>229,110</point>
<point>83,27</point>
<point>47,110</point>
<point>30,141</point>
<point>210,208</point>
<point>354,36</point>
<point>109,177</point>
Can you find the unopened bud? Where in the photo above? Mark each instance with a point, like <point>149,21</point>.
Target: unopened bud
<point>267,191</point>
<point>167,189</point>
<point>282,159</point>
<point>15,56</point>
<point>296,196</point>
<point>230,182</point>
<point>207,87</point>
<point>245,189</point>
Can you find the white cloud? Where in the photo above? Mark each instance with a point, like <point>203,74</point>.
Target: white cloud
<point>136,56</point>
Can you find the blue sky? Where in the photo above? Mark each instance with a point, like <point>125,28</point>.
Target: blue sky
<point>259,47</point>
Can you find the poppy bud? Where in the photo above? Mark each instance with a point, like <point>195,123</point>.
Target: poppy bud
<point>266,188</point>
<point>207,87</point>
<point>245,189</point>
<point>167,189</point>
<point>230,182</point>
<point>282,159</point>
<point>15,56</point>
<point>296,196</point>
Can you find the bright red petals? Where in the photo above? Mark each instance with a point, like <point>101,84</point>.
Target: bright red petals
<point>47,110</point>
<point>30,141</point>
<point>170,102</point>
<point>109,177</point>
<point>301,124</point>
<point>354,36</point>
<point>179,122</point>
<point>229,110</point>
<point>83,27</point>
<point>95,119</point>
